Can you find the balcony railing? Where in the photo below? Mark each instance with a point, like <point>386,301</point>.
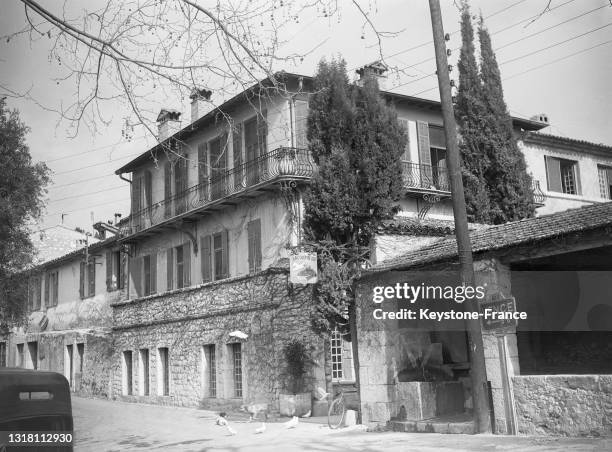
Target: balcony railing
<point>280,163</point>
<point>538,195</point>
<point>425,177</point>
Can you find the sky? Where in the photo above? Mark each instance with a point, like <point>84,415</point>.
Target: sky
<point>558,63</point>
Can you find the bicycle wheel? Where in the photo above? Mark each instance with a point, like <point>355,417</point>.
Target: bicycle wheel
<point>336,412</point>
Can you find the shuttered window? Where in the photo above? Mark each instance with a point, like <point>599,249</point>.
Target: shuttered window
<point>424,145</point>
<point>404,125</point>
<point>170,269</point>
<point>237,155</point>
<point>167,190</point>
<point>562,175</point>
<point>148,189</point>
<point>203,172</point>
<point>180,185</point>
<point>178,252</point>
<point>183,265</point>
<point>301,124</point>
<point>82,280</point>
<point>136,194</point>
<point>136,275</point>
<point>254,245</point>
<point>214,256</point>
<point>205,256</point>
<point>115,273</point>
<point>605,181</point>
<point>149,274</point>
<point>91,277</point>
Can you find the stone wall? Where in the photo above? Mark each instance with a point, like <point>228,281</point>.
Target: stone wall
<point>571,405</point>
<point>265,307</point>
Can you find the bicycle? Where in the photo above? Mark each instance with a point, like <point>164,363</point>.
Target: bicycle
<point>337,409</point>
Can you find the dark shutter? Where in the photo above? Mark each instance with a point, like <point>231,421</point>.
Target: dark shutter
<point>301,122</point>
<point>576,169</point>
<point>553,174</point>
<point>47,287</point>
<point>169,268</point>
<point>424,147</point>
<point>153,273</point>
<point>205,256</point>
<point>82,279</point>
<point>254,239</point>
<point>122,263</point>
<point>225,254</point>
<point>109,271</point>
<point>262,132</point>
<point>56,288</point>
<point>404,125</point>
<point>91,277</point>
<point>203,171</point>
<point>187,264</point>
<point>167,190</point>
<point>148,188</point>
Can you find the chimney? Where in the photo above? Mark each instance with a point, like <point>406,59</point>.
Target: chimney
<point>542,117</point>
<point>199,103</point>
<point>168,123</point>
<point>376,69</point>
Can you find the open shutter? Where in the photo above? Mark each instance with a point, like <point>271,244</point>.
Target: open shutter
<point>47,287</point>
<point>205,254</point>
<point>225,254</point>
<point>109,271</point>
<point>301,123</point>
<point>148,189</point>
<point>254,238</point>
<point>553,174</point>
<point>237,155</point>
<point>424,147</point>
<point>262,132</point>
<point>404,125</point>
<point>153,280</point>
<point>187,264</point>
<point>82,279</point>
<point>203,171</point>
<point>577,174</point>
<point>167,190</point>
<point>136,274</point>
<point>91,277</point>
<point>170,268</point>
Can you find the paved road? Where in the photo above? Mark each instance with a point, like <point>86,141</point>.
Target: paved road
<point>102,425</point>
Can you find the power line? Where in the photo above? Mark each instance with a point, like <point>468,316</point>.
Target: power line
<point>92,150</point>
<point>88,194</point>
<point>82,180</point>
<point>85,208</point>
<point>98,164</point>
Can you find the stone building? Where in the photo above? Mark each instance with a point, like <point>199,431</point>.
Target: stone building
<point>68,329</point>
<point>550,374</point>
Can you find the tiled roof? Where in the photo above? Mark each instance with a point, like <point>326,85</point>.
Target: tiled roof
<point>401,225</point>
<point>56,241</point>
<point>566,143</point>
<point>507,235</point>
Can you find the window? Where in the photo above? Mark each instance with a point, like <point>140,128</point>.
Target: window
<point>35,292</point>
<point>143,378</point>
<point>87,282</point>
<point>180,185</point>
<point>149,274</point>
<point>218,166</point>
<point>562,175</point>
<point>215,256</point>
<point>341,358</point>
<point>236,354</point>
<point>19,356</point>
<point>33,352</point>
<point>203,172</point>
<point>127,372</point>
<point>115,274</point>
<point>163,375</point>
<point>2,354</point>
<point>81,356</point>
<point>404,125</point>
<point>254,243</point>
<point>69,364</point>
<point>210,370</point>
<point>605,181</point>
<point>182,263</point>
<point>301,123</point>
<point>51,288</point>
<point>255,145</point>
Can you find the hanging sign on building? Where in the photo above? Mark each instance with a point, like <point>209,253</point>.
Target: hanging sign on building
<point>497,314</point>
<point>303,267</point>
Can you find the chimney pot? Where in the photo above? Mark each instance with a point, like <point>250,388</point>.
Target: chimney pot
<point>199,103</point>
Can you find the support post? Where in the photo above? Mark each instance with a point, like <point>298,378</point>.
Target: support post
<point>478,371</point>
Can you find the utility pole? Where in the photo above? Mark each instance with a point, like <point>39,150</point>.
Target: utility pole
<point>478,372</point>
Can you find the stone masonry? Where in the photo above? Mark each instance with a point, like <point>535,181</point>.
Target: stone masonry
<point>264,306</point>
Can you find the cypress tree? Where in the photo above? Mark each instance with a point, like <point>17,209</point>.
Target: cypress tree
<point>468,110</point>
<point>508,183</point>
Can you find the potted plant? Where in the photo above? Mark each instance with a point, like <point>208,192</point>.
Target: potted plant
<point>297,402</point>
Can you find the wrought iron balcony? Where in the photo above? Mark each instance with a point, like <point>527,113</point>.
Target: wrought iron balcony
<point>280,164</point>
<point>425,178</point>
<point>538,195</point>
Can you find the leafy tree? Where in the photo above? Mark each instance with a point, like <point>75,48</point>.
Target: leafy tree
<point>357,141</point>
<point>22,186</point>
<point>508,183</point>
<point>497,185</point>
<point>468,111</point>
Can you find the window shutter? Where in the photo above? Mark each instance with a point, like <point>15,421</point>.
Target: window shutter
<point>205,254</point>
<point>553,174</point>
<point>109,271</point>
<point>169,268</point>
<point>82,279</point>
<point>153,274</point>
<point>577,176</point>
<point>167,190</point>
<point>136,274</point>
<point>225,254</point>
<point>262,132</point>
<point>424,147</point>
<point>136,194</point>
<point>122,262</point>
<point>56,288</point>
<point>148,188</point>
<point>404,125</point>
<point>47,289</point>
<point>301,123</point>
<point>237,144</point>
<point>187,264</point>
<point>91,277</point>
<point>254,238</point>
<point>203,171</point>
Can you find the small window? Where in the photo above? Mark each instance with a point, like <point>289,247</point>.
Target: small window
<point>210,370</point>
<point>91,278</point>
<point>182,261</point>
<point>236,354</point>
<point>51,288</point>
<point>115,278</point>
<point>336,356</point>
<point>127,373</point>
<point>562,175</point>
<point>605,181</point>
<point>163,372</point>
<point>143,378</point>
<point>254,245</point>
